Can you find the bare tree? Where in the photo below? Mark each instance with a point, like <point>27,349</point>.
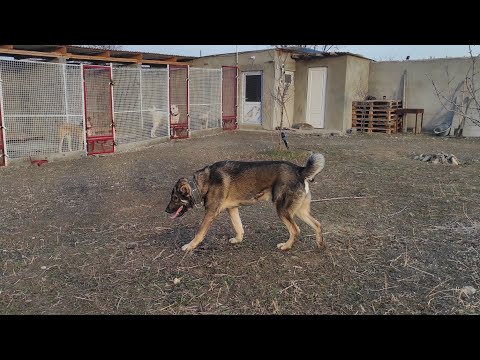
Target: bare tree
<point>281,93</point>
<point>360,90</point>
<point>282,96</point>
<point>105,47</point>
<point>468,107</point>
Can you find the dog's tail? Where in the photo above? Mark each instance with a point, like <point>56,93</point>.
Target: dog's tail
<point>314,165</point>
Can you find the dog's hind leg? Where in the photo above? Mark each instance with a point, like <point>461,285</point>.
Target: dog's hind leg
<point>304,214</point>
<point>293,230</point>
<point>286,207</point>
<point>237,225</point>
<point>206,222</point>
<point>154,129</point>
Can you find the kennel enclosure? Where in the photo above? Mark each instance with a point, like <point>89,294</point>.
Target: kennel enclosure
<point>51,108</point>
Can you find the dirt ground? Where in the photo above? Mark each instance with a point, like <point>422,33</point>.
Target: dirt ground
<point>90,236</point>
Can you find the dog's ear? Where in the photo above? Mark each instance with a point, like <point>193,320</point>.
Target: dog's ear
<point>185,189</point>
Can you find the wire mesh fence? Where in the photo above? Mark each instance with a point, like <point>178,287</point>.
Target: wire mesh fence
<point>49,108</point>
<point>141,103</point>
<point>41,107</point>
<point>155,101</point>
<point>128,111</point>
<point>205,98</point>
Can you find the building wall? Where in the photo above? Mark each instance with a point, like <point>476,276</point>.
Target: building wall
<point>356,86</point>
<point>346,76</point>
<point>386,78</point>
<point>350,78</point>
<point>264,61</point>
<point>335,107</point>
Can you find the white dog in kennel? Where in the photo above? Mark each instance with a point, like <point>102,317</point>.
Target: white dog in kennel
<point>158,117</point>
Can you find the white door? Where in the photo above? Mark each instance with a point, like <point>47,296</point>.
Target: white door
<point>252,97</point>
<point>317,86</point>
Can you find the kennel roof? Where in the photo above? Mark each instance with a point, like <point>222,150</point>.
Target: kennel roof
<point>88,54</point>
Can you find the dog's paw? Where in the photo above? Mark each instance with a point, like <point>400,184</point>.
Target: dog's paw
<point>284,246</point>
<point>235,241</point>
<point>321,243</point>
<point>187,247</point>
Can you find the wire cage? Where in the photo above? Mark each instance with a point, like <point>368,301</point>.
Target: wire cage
<point>141,104</point>
<point>48,108</point>
<point>41,108</point>
<point>205,98</point>
<point>155,101</point>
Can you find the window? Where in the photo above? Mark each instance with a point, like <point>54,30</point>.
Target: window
<point>288,79</point>
<point>253,88</point>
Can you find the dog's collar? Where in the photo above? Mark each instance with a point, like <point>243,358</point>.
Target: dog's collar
<point>197,199</point>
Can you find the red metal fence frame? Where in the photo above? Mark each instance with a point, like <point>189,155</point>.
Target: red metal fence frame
<point>178,130</point>
<point>3,156</point>
<point>101,140</point>
<point>229,121</point>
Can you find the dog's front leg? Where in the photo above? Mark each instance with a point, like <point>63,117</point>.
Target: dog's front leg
<point>237,225</point>
<point>206,222</point>
<point>154,129</point>
<point>69,142</point>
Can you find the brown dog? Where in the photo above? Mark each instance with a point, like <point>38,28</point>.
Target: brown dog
<point>230,184</point>
<point>70,131</point>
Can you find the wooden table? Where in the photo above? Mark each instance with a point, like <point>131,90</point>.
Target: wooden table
<point>401,113</point>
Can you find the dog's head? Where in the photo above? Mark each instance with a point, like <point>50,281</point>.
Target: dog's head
<point>181,199</point>
<point>174,110</point>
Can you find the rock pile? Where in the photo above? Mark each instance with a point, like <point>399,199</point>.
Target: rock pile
<point>440,158</point>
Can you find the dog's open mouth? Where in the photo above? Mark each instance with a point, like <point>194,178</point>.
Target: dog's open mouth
<point>176,212</point>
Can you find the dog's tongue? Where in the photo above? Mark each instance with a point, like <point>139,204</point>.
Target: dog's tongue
<point>176,213</point>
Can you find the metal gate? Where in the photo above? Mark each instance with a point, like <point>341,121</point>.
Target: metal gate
<point>229,97</point>
<point>98,101</point>
<point>3,155</point>
<point>178,101</point>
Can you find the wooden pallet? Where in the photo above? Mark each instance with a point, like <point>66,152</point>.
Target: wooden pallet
<point>379,103</point>
<point>376,115</point>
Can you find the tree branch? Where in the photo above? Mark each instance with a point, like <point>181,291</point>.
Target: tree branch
<point>449,101</point>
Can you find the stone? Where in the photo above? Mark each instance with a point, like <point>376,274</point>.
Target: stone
<point>132,245</point>
<point>467,290</point>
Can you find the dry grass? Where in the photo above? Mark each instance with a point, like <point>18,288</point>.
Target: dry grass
<point>90,236</point>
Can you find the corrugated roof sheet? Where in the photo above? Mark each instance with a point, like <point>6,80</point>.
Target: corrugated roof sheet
<point>83,50</point>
